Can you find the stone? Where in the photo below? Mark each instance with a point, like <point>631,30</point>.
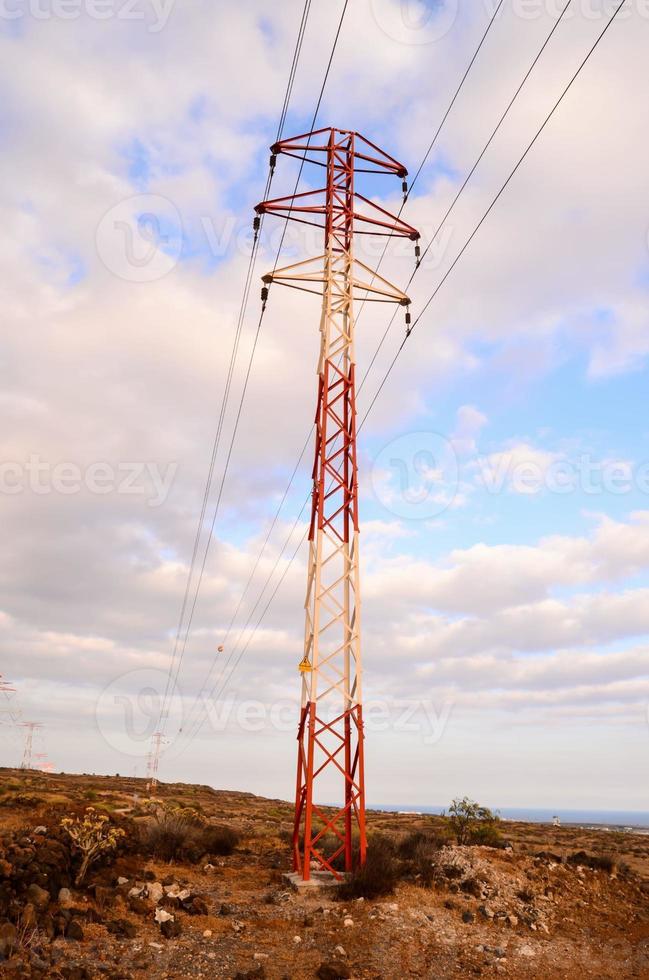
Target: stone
<point>340,951</point>
<point>198,906</point>
<point>122,927</point>
<point>122,881</point>
<point>333,971</point>
<point>155,892</point>
<point>207,934</point>
<point>260,956</point>
<point>161,916</point>
<point>8,937</point>
<point>65,898</point>
<point>348,923</point>
<point>171,928</point>
<point>297,940</point>
<point>38,896</point>
<point>512,920</point>
<point>468,917</point>
<point>74,931</point>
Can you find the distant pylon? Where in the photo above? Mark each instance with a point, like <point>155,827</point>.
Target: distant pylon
<point>5,687</point>
<point>30,727</point>
<point>153,760</point>
<point>330,734</point>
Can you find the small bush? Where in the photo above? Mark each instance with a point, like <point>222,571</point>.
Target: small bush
<point>598,862</point>
<point>178,833</point>
<point>473,824</point>
<point>416,851</point>
<point>219,840</point>
<point>378,876</point>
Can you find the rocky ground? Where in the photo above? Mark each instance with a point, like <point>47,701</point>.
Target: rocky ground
<point>553,903</point>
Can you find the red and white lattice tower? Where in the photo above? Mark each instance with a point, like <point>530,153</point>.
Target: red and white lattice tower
<point>30,727</point>
<point>153,760</point>
<point>330,734</point>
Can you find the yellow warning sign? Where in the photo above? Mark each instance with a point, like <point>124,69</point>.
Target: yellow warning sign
<point>305,666</point>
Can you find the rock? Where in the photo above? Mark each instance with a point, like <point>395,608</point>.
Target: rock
<point>512,920</point>
<point>8,937</point>
<point>122,927</point>
<point>348,923</point>
<point>207,934</point>
<point>297,940</point>
<point>198,906</point>
<point>39,830</point>
<point>225,909</point>
<point>260,956</point>
<point>74,931</point>
<point>171,928</point>
<point>161,916</point>
<point>340,951</point>
<point>65,898</point>
<point>237,925</point>
<point>468,917</point>
<point>257,973</point>
<point>333,971</point>
<point>139,905</point>
<point>122,881</point>
<point>38,896</point>
<point>485,912</point>
<point>155,892</point>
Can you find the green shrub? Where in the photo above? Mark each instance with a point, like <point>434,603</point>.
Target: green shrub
<point>472,823</point>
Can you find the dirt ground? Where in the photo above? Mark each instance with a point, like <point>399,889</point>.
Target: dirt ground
<point>539,908</point>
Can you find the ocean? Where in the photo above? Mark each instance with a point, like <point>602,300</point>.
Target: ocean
<point>637,819</point>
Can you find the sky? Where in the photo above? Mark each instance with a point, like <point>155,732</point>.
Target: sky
<point>504,471</point>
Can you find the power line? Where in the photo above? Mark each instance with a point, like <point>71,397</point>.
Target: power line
<point>246,380</point>
<point>492,205</point>
<point>412,184</point>
<point>226,394</point>
<point>441,283</point>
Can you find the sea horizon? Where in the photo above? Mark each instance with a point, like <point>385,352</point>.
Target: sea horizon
<point>567,815</point>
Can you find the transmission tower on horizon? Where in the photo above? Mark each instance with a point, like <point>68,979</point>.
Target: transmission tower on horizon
<point>153,760</point>
<point>330,733</point>
<point>30,727</point>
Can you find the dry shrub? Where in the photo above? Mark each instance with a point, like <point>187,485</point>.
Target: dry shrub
<point>378,876</point>
<point>182,833</point>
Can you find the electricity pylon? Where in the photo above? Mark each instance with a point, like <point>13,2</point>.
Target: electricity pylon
<point>30,727</point>
<point>330,734</point>
<point>153,760</point>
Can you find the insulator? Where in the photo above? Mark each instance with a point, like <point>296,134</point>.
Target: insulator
<point>256,224</point>
<point>273,161</point>
<point>417,251</point>
<point>408,318</point>
<point>264,293</point>
<point>404,188</point>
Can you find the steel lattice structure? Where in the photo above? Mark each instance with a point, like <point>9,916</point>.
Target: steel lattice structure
<point>330,735</point>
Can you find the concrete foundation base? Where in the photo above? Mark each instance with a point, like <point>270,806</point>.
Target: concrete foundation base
<point>319,881</point>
